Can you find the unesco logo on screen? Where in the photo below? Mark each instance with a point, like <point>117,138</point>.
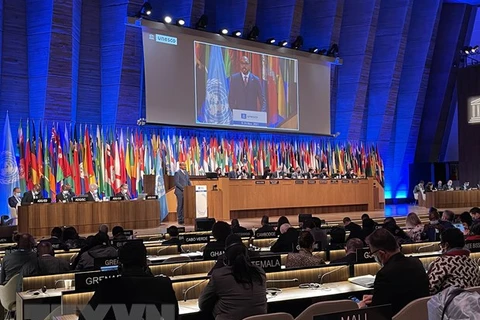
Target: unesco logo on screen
<point>166,39</point>
<point>244,116</point>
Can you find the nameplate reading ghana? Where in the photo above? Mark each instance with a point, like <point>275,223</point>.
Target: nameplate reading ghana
<point>212,254</point>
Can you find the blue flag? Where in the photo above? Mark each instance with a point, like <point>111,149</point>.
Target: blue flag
<point>216,109</point>
<point>9,177</point>
<point>160,187</point>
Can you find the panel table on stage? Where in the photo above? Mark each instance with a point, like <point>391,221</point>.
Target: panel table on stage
<point>451,199</point>
<point>39,219</point>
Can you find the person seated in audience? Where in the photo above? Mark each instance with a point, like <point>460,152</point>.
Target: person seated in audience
<point>46,263</point>
<point>117,234</point>
<point>453,268</point>
<point>220,231</point>
<point>236,227</point>
<point>466,220</point>
<point>287,241</point>
<point>400,280</point>
<point>15,260</point>
<point>391,225</point>
<point>71,238</point>
<point>136,286</point>
<point>337,238</point>
<point>415,227</point>
<point>173,241</point>
<point>304,257</point>
<point>365,216</point>
<point>281,220</point>
<point>449,216</point>
<point>237,290</point>
<point>474,233</point>
<point>100,248</point>
<point>368,226</point>
<point>350,251</point>
<point>103,228</point>
<point>124,192</point>
<point>64,196</point>
<point>319,235</point>
<point>266,227</point>
<point>475,213</point>
<point>56,239</point>
<point>449,186</point>
<point>355,229</point>
<point>436,225</point>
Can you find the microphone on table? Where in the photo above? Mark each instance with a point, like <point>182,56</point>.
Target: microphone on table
<point>425,246</point>
<point>185,291</point>
<point>330,272</point>
<point>162,249</point>
<point>202,247</point>
<point>179,267</point>
<point>282,280</point>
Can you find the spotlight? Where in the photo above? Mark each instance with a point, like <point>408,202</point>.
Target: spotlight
<point>202,22</point>
<point>474,49</point>
<point>180,22</point>
<point>253,35</point>
<point>145,10</point>
<point>271,40</point>
<point>224,31</point>
<point>466,50</point>
<point>283,43</point>
<point>237,33</point>
<point>313,50</point>
<point>297,43</point>
<point>167,19</point>
<point>333,51</point>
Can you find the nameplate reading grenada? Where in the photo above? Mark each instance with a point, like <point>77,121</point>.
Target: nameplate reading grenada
<point>194,238</point>
<point>265,235</point>
<point>472,245</point>
<point>268,263</point>
<point>151,197</point>
<point>89,281</point>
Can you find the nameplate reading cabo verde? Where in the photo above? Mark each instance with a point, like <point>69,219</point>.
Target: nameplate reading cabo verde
<point>473,245</point>
<point>89,281</point>
<point>268,263</point>
<point>194,238</point>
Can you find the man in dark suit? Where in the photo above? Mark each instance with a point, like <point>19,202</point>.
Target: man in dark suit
<point>287,241</point>
<point>350,251</point>
<point>64,196</point>
<point>181,181</point>
<point>400,280</point>
<point>246,89</point>
<point>92,195</point>
<point>46,263</point>
<point>16,199</point>
<point>124,192</point>
<point>137,286</point>
<point>33,194</point>
<point>355,229</point>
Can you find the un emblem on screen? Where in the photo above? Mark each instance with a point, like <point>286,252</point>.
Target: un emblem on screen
<point>217,110</point>
<point>8,168</point>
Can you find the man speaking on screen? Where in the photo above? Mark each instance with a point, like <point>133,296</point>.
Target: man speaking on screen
<point>246,89</point>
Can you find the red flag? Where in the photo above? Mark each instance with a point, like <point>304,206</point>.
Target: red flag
<point>76,169</point>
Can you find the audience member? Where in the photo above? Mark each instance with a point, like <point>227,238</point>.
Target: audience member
<point>400,280</point>
<point>319,235</point>
<point>174,240</point>
<point>56,239</point>
<point>466,220</point>
<point>100,248</point>
<point>237,290</point>
<point>15,260</point>
<point>236,227</point>
<point>453,268</point>
<point>449,216</point>
<point>103,228</point>
<point>117,234</point>
<point>474,233</point>
<point>136,286</point>
<point>368,226</point>
<point>287,242</point>
<point>475,213</point>
<point>266,227</point>
<point>400,236</point>
<point>350,251</point>
<point>415,227</point>
<point>46,263</point>
<point>220,230</point>
<point>304,257</point>
<point>365,216</point>
<point>72,239</point>
<point>355,229</point>
<point>281,220</point>
<point>337,238</point>
<point>436,226</point>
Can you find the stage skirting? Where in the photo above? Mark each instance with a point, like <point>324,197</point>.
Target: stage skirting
<point>450,199</point>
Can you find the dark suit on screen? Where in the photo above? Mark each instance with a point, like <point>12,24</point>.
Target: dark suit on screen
<point>181,181</point>
<point>28,197</point>
<point>246,97</point>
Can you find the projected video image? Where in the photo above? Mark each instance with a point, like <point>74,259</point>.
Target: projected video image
<point>244,88</point>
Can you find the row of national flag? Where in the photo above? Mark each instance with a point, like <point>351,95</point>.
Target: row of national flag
<point>53,154</point>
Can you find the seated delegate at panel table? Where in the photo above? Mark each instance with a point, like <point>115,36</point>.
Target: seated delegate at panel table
<point>123,192</point>
<point>92,195</point>
<point>64,196</point>
<point>34,194</point>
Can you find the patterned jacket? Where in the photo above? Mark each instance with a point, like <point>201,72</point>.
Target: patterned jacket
<point>454,268</point>
<point>303,258</point>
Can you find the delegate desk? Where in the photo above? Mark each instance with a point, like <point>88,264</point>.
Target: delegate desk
<point>39,219</point>
<point>450,199</point>
<point>255,198</point>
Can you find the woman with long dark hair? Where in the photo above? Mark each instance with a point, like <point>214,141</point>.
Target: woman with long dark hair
<point>237,290</point>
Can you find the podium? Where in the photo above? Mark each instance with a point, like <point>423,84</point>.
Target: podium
<point>200,201</point>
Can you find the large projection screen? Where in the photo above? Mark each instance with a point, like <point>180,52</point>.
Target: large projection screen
<point>195,78</point>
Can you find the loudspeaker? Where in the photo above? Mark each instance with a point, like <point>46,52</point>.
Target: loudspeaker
<point>302,217</point>
<point>204,224</point>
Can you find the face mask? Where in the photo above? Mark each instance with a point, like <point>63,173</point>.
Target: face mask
<point>95,191</point>
<point>377,260</point>
<point>65,192</point>
<point>124,191</point>
<point>17,194</point>
<point>434,222</point>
